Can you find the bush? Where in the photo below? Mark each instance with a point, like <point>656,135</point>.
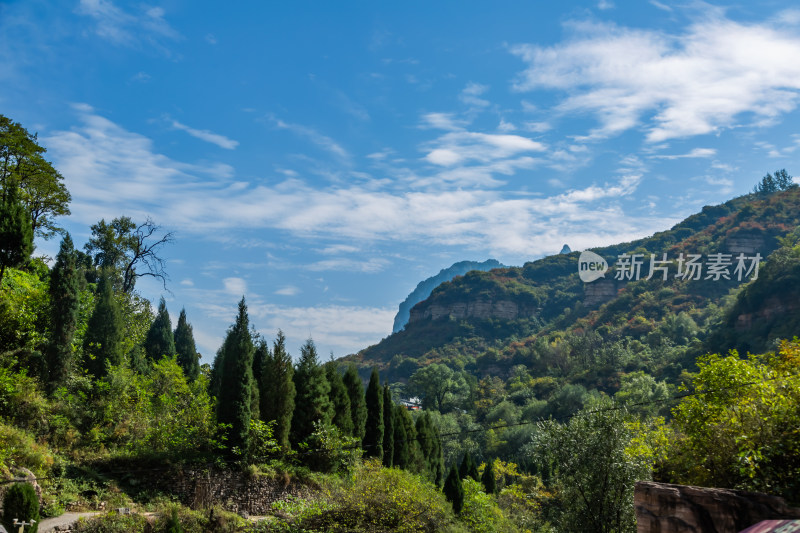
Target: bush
<point>480,511</point>
<point>21,502</point>
<point>381,499</point>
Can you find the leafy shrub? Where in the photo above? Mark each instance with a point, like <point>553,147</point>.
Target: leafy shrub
<point>480,511</point>
<point>374,498</point>
<point>21,502</point>
<point>113,523</point>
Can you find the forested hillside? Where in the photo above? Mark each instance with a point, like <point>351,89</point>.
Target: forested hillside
<point>538,410</point>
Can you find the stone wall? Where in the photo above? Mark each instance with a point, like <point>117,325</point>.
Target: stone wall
<point>665,508</point>
<point>234,491</point>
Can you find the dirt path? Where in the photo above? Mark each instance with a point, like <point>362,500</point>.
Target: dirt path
<point>49,524</point>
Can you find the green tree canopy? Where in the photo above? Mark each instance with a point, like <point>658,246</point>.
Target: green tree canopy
<point>358,405</point>
<point>373,430</point>
<point>312,401</point>
<point>160,341</point>
<point>102,343</point>
<point>339,399</point>
<point>64,302</point>
<point>235,363</point>
<point>188,358</point>
<point>277,389</point>
<point>16,235</point>
<point>131,250</point>
<point>43,194</point>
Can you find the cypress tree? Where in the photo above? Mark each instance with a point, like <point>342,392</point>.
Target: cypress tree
<point>64,302</point>
<point>278,390</point>
<point>454,490</point>
<point>466,463</point>
<point>358,405</point>
<point>402,457</point>
<point>489,483</point>
<point>103,340</point>
<point>16,232</point>
<point>431,449</point>
<point>373,430</point>
<point>339,399</point>
<point>235,364</point>
<point>186,349</point>
<point>312,402</point>
<point>159,341</point>
<point>388,427</point>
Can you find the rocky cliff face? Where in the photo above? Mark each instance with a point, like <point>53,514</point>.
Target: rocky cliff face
<point>599,292</point>
<point>773,308</point>
<point>483,309</point>
<point>665,508</point>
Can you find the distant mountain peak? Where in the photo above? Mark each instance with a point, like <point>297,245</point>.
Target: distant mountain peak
<point>424,288</point>
<point>565,250</point>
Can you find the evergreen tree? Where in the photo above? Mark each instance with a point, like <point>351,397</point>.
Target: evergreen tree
<point>388,427</point>
<point>235,364</point>
<point>312,402</point>
<point>468,468</point>
<point>402,455</point>
<point>339,399</point>
<point>159,341</point>
<point>186,349</point>
<point>489,483</point>
<point>373,430</point>
<point>431,449</point>
<point>358,405</point>
<point>454,490</point>
<point>16,232</point>
<point>64,302</point>
<point>102,343</point>
<point>277,389</point>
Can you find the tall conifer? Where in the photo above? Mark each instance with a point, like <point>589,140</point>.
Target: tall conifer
<point>186,349</point>
<point>339,399</point>
<point>159,341</point>
<point>312,402</point>
<point>103,340</point>
<point>64,302</point>
<point>401,457</point>
<point>278,390</point>
<point>431,449</point>
<point>454,490</point>
<point>373,431</point>
<point>235,363</point>
<point>358,405</point>
<point>488,480</point>
<point>388,427</point>
<point>16,231</point>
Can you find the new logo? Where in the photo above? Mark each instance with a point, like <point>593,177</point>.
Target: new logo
<point>591,266</point>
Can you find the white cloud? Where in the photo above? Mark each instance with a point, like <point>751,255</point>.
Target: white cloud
<point>235,286</point>
<point>469,95</point>
<point>323,141</point>
<point>694,153</point>
<point>715,75</point>
<point>129,29</point>
<point>289,290</point>
<point>208,136</point>
<point>110,171</point>
<point>187,283</point>
<point>443,121</point>
<point>462,146</point>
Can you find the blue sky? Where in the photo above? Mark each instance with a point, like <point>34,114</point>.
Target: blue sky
<point>322,158</point>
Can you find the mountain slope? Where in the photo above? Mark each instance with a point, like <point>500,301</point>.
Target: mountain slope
<point>486,322</point>
<point>424,288</point>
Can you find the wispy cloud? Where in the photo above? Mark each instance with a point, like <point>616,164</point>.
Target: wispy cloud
<point>715,75</point>
<point>208,136</point>
<point>289,290</point>
<point>235,286</point>
<point>93,157</point>
<point>124,28</point>
<point>323,141</point>
<point>461,146</point>
<point>694,153</point>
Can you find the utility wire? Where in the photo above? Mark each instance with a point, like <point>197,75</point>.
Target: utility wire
<point>469,431</point>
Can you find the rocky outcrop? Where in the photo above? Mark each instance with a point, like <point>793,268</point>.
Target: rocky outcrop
<point>483,309</point>
<point>665,508</point>
<point>772,308</point>
<point>745,243</point>
<point>599,292</point>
